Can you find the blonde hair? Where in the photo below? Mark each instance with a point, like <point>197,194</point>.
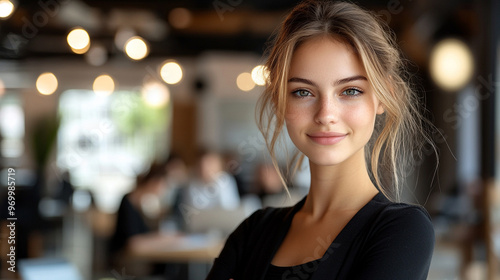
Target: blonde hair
<point>398,132</point>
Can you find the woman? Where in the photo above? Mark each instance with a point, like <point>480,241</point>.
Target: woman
<point>134,221</point>
<point>211,187</point>
<point>336,83</point>
<point>137,220</point>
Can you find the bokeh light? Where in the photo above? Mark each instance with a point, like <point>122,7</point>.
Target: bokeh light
<point>155,94</point>
<point>245,81</point>
<point>180,18</point>
<point>103,85</point>
<point>6,8</point>
<point>136,48</point>
<point>46,83</point>
<point>451,64</point>
<point>260,75</point>
<point>171,72</point>
<point>79,40</point>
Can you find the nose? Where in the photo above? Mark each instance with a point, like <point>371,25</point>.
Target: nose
<point>327,111</point>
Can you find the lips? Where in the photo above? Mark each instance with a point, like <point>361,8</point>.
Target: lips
<point>327,138</point>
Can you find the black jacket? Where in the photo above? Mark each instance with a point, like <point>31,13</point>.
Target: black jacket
<point>384,240</point>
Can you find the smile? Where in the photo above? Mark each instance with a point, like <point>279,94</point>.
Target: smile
<point>326,138</point>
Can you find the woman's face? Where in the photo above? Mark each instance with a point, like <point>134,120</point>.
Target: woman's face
<point>331,107</point>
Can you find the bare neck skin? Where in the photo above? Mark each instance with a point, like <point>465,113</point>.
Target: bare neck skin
<point>343,187</point>
<point>337,193</point>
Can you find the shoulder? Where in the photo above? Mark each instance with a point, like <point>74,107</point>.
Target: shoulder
<point>248,242</point>
<point>225,177</point>
<point>402,225</point>
<point>397,243</point>
<point>387,213</point>
<point>404,216</point>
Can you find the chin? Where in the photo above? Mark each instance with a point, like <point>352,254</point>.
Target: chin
<point>326,163</point>
<point>325,160</point>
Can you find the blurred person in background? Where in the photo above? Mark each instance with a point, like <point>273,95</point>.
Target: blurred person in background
<point>267,181</point>
<point>177,175</point>
<point>211,186</point>
<point>270,190</point>
<point>139,214</point>
<point>176,180</point>
<point>233,166</point>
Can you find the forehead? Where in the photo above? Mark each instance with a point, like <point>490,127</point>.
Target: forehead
<point>325,56</point>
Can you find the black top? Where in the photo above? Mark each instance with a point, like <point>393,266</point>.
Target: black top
<point>384,240</point>
<point>129,222</point>
<point>304,271</point>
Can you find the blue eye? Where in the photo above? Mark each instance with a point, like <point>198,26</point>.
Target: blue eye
<point>301,93</point>
<point>351,92</point>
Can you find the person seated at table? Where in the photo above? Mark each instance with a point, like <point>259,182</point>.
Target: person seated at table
<point>269,189</point>
<point>267,181</point>
<point>139,212</point>
<point>211,187</point>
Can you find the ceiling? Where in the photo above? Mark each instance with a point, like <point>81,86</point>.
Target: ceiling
<point>39,28</point>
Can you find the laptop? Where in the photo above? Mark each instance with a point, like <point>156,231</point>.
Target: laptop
<point>48,269</point>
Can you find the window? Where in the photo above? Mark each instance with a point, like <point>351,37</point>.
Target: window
<point>105,141</point>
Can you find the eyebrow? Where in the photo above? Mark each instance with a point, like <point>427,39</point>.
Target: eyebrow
<point>336,83</point>
<point>350,79</point>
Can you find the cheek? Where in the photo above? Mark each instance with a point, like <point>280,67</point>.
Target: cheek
<point>293,114</point>
<point>291,123</point>
<point>360,116</point>
<point>294,120</point>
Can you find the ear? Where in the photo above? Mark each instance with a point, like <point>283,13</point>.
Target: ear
<point>380,109</point>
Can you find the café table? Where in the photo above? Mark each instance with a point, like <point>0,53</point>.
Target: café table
<point>196,250</point>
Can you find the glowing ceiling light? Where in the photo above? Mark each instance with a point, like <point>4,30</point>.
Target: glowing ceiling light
<point>46,83</point>
<point>79,40</point>
<point>260,75</point>
<point>103,85</point>
<point>180,18</point>
<point>155,94</point>
<point>171,72</point>
<point>136,48</point>
<point>245,82</point>
<point>6,8</point>
<point>451,64</point>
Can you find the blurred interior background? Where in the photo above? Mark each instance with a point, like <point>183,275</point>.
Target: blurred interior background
<point>128,127</point>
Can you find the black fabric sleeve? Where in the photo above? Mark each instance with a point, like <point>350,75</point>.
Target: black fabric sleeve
<point>400,248</point>
<point>226,265</point>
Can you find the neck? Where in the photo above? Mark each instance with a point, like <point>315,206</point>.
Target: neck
<point>342,187</point>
